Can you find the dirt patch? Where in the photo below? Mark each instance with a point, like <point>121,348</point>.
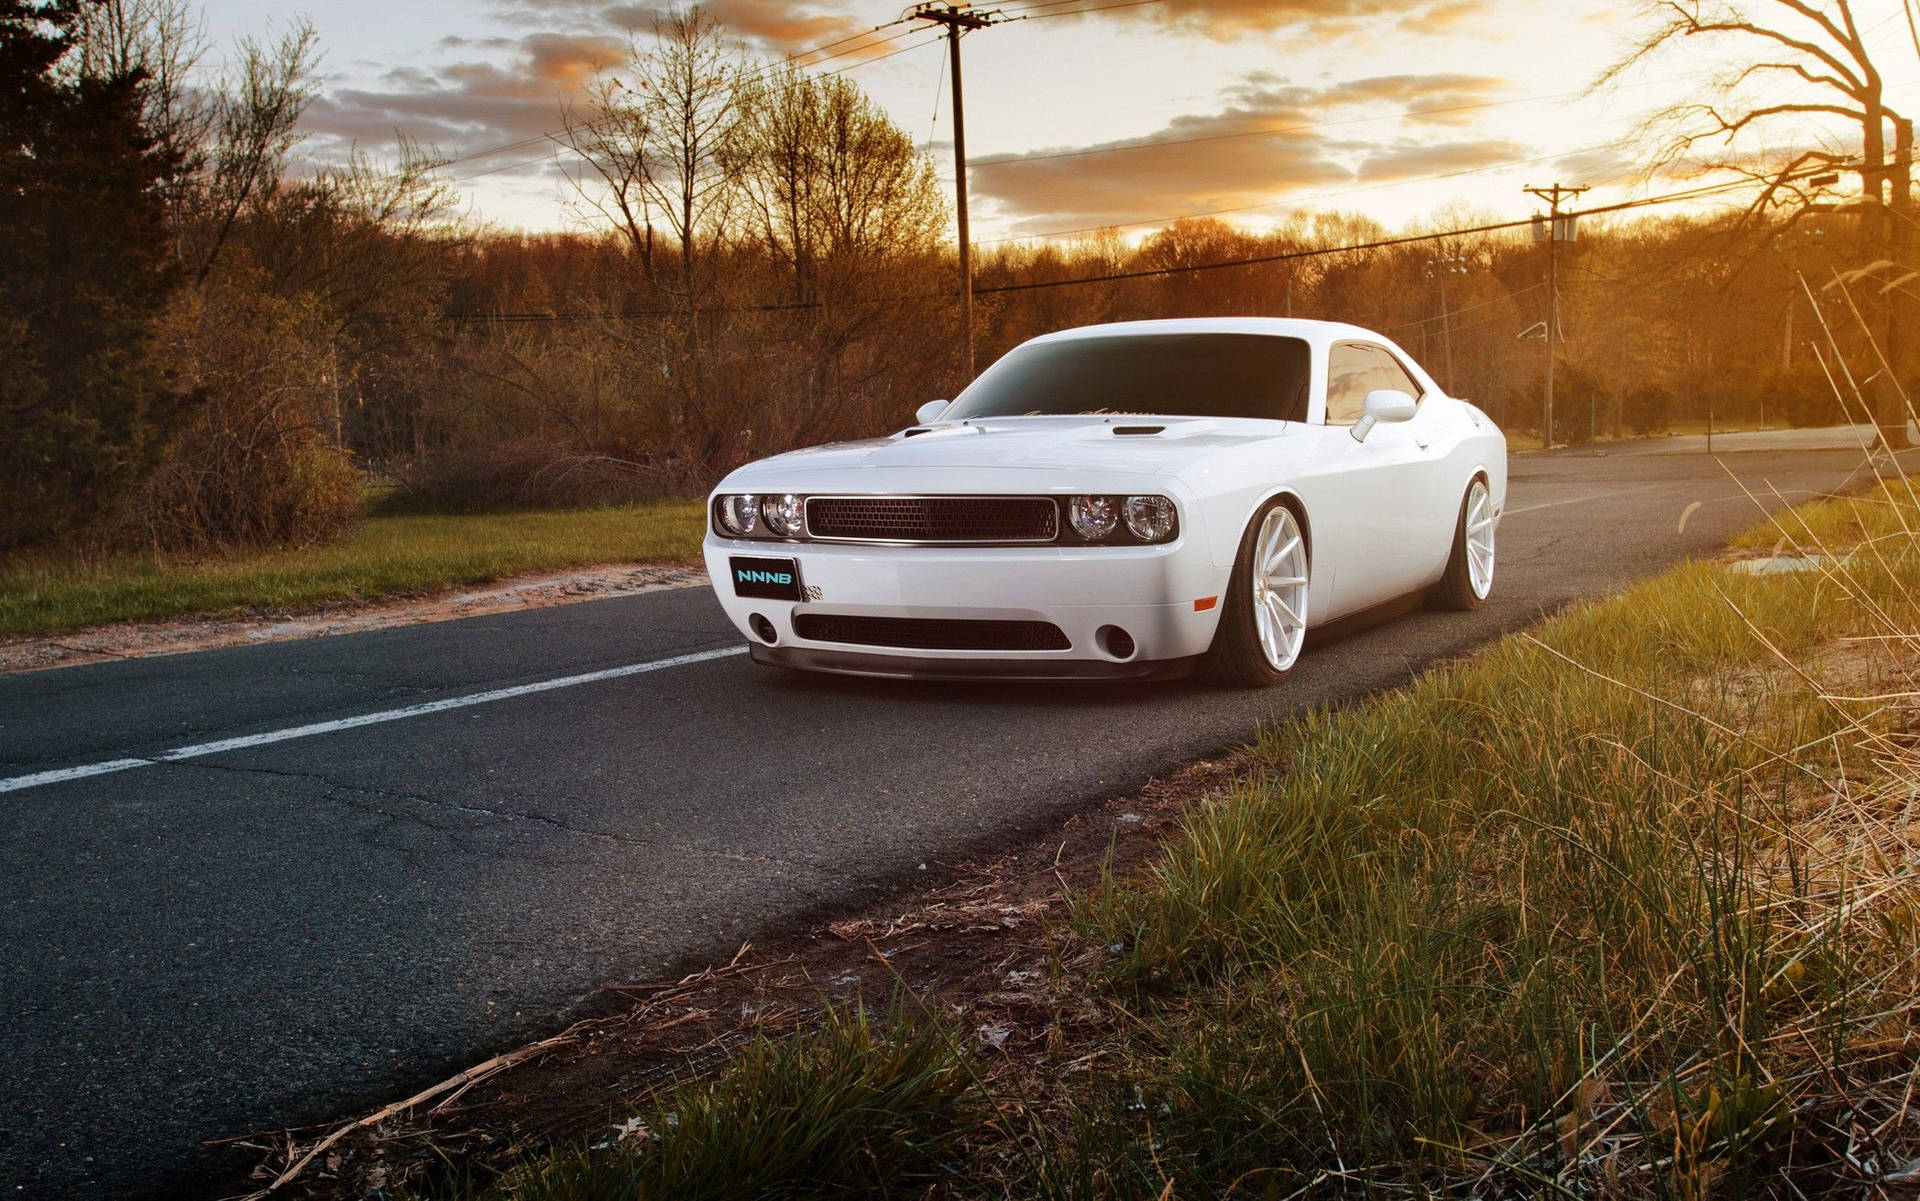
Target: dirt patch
<point>986,944</point>
<point>142,639</point>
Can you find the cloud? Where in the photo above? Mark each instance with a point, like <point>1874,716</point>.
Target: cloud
<point>766,25</point>
<point>1417,160</point>
<point>1427,97</point>
<point>1271,140</point>
<point>1602,166</point>
<point>1227,19</point>
<point>1195,162</point>
<point>468,105</point>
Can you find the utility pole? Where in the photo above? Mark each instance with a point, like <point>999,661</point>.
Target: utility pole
<point>1439,269</point>
<point>1559,229</point>
<point>1891,411</point>
<point>958,20</point>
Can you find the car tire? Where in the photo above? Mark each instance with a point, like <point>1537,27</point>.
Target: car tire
<point>1241,654</point>
<point>1469,577</point>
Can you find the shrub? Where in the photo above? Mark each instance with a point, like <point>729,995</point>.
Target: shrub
<point>261,464</point>
<point>1647,409</point>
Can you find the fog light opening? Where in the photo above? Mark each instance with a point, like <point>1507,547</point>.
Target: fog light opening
<point>763,629</point>
<point>1116,642</point>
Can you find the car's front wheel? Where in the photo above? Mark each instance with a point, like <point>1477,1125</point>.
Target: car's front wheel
<point>1469,576</point>
<point>1263,622</point>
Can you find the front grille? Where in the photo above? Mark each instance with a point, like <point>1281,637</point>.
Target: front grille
<point>932,633</point>
<point>934,519</point>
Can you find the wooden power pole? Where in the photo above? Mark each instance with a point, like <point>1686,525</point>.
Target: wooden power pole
<point>959,20</point>
<point>1439,269</point>
<point>1560,228</point>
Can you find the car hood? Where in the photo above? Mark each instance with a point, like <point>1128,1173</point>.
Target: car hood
<point>1039,443</point>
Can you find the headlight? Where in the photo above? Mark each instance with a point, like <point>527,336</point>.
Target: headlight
<point>785,515</point>
<point>1150,518</point>
<point>1093,517</point>
<point>739,515</point>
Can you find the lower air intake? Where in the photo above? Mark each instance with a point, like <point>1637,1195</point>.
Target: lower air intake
<point>932,634</point>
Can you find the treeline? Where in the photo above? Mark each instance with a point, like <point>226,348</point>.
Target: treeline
<point>200,347</point>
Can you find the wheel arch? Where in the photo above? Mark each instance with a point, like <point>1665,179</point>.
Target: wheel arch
<point>1293,500</point>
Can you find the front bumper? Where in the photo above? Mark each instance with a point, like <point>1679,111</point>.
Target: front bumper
<point>1150,592</point>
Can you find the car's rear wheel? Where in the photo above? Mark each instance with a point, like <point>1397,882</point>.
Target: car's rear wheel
<point>1469,577</point>
<point>1263,622</point>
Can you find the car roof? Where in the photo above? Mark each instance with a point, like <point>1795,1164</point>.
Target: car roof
<point>1292,327</point>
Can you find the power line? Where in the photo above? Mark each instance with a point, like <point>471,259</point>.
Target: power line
<point>1694,193</point>
<point>1083,11</point>
<point>878,58</point>
<point>1500,299</point>
<point>1301,200</point>
<point>1378,244</point>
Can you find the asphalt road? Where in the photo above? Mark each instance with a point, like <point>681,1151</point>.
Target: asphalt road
<point>286,930</point>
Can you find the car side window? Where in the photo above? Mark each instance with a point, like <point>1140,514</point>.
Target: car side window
<point>1355,369</point>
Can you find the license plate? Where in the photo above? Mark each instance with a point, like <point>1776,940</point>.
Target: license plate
<point>768,579</point>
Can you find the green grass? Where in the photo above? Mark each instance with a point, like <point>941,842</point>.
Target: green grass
<point>385,556</point>
<point>1881,516</point>
<point>1571,916</point>
<point>852,1108</point>
<point>1625,906</point>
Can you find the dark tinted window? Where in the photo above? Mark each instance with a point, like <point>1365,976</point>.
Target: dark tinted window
<point>1355,369</point>
<point>1175,375</point>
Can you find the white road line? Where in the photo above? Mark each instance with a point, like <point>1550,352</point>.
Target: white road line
<point>365,719</point>
<point>1711,500</point>
<point>1554,504</point>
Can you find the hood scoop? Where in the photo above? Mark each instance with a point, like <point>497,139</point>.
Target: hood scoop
<point>1137,431</point>
<point>941,431</point>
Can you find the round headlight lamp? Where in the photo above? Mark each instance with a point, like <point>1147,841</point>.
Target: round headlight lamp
<point>1093,517</point>
<point>785,515</point>
<point>1150,518</point>
<point>740,515</point>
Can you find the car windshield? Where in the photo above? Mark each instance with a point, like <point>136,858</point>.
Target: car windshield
<point>1173,375</point>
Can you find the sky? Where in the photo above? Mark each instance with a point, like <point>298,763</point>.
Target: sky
<point>1129,115</point>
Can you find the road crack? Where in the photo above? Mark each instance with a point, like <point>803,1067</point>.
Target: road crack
<point>344,792</point>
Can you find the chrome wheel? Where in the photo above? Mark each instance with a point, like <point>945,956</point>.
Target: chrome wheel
<point>1280,587</point>
<point>1479,531</point>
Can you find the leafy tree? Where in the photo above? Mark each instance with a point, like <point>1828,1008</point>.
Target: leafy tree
<point>85,274</point>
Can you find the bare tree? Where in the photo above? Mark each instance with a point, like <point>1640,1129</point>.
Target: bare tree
<point>689,87</point>
<point>845,207</point>
<point>163,41</point>
<point>1817,49</point>
<point>257,115</point>
<point>611,136</point>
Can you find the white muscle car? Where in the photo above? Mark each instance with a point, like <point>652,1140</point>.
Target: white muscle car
<point>1120,501</point>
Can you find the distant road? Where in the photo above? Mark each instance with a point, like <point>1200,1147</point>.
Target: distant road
<point>373,859</point>
<point>1838,437</point>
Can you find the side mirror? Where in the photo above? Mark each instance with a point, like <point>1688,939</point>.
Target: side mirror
<point>1382,404</point>
<point>930,411</point>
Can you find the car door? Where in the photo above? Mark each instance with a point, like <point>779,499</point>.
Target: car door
<point>1378,531</point>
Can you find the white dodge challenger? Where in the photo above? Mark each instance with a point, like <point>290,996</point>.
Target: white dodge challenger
<point>1122,501</point>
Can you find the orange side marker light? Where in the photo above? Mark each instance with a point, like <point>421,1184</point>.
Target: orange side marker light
<point>1205,603</point>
